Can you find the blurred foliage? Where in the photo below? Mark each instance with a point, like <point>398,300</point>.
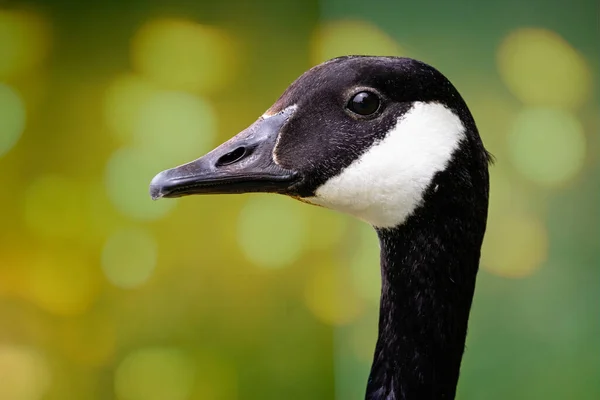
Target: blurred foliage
<point>107,295</point>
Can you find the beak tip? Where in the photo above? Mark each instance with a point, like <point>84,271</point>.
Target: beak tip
<point>155,193</point>
<point>154,196</point>
<point>156,186</point>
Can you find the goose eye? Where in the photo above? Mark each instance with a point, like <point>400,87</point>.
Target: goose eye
<point>364,103</point>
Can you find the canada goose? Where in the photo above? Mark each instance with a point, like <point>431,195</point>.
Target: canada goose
<point>388,140</point>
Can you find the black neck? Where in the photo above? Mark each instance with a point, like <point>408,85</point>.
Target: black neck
<point>429,267</point>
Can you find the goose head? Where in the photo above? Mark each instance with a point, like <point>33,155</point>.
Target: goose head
<point>368,136</point>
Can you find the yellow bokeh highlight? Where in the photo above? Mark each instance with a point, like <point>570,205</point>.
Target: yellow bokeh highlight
<point>329,296</point>
<point>548,146</point>
<point>24,373</point>
<point>364,261</point>
<point>351,37</point>
<point>177,127</point>
<point>272,231</point>
<point>54,207</point>
<point>155,374</point>
<point>542,69</point>
<point>515,245</point>
<point>12,118</point>
<point>24,42</point>
<point>174,126</point>
<point>123,102</point>
<point>62,282</point>
<point>127,177</point>
<point>182,54</point>
<point>129,258</point>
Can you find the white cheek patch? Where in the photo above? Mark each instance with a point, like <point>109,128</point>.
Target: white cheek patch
<point>387,183</point>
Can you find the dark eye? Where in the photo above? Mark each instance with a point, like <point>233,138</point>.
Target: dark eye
<point>364,103</point>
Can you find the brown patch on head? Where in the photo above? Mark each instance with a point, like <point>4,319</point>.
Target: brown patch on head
<point>271,111</point>
<point>277,107</point>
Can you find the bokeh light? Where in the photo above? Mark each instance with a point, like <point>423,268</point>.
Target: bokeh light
<point>54,207</point>
<point>12,117</point>
<point>542,69</point>
<point>329,295</point>
<point>24,42</point>
<point>175,126</point>
<point>272,232</point>
<point>183,54</point>
<point>128,174</point>
<point>547,145</point>
<point>129,257</point>
<point>354,37</point>
<point>515,245</point>
<point>123,102</point>
<point>24,373</point>
<point>155,374</point>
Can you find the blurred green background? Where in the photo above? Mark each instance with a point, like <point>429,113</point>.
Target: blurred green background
<point>105,294</point>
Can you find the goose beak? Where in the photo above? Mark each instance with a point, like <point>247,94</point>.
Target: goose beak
<point>243,164</point>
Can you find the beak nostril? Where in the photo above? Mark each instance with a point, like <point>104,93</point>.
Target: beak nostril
<point>231,157</point>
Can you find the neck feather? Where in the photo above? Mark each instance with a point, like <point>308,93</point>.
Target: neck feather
<point>429,267</point>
